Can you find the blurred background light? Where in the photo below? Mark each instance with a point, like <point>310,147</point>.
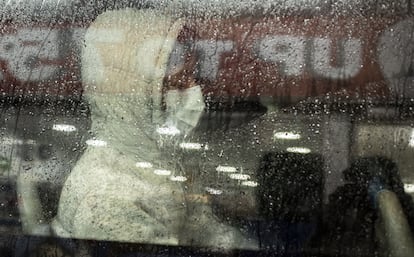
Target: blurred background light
<point>64,127</point>
<point>144,165</point>
<point>238,176</point>
<point>287,135</point>
<point>96,142</point>
<point>162,172</point>
<point>229,169</point>
<point>302,150</point>
<point>213,191</point>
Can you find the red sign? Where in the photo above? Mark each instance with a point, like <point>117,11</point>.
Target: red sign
<point>294,57</point>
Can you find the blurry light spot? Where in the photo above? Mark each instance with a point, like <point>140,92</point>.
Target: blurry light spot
<point>250,183</point>
<point>168,131</point>
<point>178,178</point>
<point>30,142</point>
<point>13,141</point>
<point>144,165</point>
<point>191,146</point>
<point>287,135</point>
<point>226,169</point>
<point>213,191</point>
<point>64,127</point>
<point>409,188</point>
<point>239,176</point>
<point>302,150</point>
<point>162,172</point>
<point>95,142</point>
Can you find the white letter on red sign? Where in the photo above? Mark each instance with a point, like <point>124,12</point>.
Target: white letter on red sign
<point>287,51</point>
<point>31,48</point>
<point>348,59</point>
<point>396,57</point>
<point>210,52</point>
<point>9,49</point>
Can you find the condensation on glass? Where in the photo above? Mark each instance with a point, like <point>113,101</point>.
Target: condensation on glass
<point>191,128</point>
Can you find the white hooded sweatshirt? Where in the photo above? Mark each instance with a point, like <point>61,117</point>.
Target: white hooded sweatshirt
<point>120,189</point>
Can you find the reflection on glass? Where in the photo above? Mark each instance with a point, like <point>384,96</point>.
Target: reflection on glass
<point>144,165</point>
<point>302,150</point>
<point>178,178</point>
<point>287,135</point>
<point>127,185</point>
<point>250,183</point>
<point>228,169</point>
<point>191,146</point>
<point>168,131</point>
<point>411,142</point>
<point>11,141</point>
<point>64,127</point>
<point>239,176</point>
<point>409,188</point>
<point>213,191</point>
<point>162,172</point>
<point>96,142</point>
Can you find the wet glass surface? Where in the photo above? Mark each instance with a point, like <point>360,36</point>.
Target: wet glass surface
<point>175,128</point>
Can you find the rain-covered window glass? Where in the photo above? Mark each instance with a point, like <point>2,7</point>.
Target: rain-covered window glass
<point>203,128</point>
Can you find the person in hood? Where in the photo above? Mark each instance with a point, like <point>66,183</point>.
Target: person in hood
<point>121,188</point>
